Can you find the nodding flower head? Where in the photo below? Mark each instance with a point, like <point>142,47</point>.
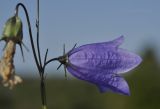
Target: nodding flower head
<point>13,30</point>
<point>101,64</point>
<point>12,35</point>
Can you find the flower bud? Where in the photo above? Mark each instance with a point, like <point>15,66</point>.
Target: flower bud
<point>13,30</point>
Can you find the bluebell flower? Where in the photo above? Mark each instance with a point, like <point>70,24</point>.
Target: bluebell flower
<point>102,64</point>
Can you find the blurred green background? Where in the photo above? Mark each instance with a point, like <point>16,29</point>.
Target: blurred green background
<point>75,94</point>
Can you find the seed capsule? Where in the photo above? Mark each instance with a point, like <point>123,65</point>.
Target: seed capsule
<point>13,30</point>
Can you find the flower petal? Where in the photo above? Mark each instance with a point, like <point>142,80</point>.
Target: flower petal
<point>115,83</point>
<point>103,89</point>
<point>110,44</point>
<point>109,59</point>
<point>103,80</point>
<point>129,61</point>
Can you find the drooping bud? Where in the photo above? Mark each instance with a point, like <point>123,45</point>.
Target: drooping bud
<point>12,35</point>
<point>13,30</point>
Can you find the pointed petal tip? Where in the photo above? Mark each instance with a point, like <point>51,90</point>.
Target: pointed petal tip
<point>118,41</point>
<point>120,38</point>
<point>128,94</point>
<point>123,87</point>
<point>137,61</point>
<point>124,90</point>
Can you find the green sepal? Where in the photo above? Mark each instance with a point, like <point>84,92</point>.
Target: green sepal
<point>13,30</point>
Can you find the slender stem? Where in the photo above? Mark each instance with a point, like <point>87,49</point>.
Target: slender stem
<point>30,32</point>
<point>42,84</point>
<point>37,25</point>
<point>47,62</point>
<point>45,58</point>
<point>43,92</point>
<point>38,62</point>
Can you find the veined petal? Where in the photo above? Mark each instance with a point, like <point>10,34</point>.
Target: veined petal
<point>109,59</point>
<point>103,45</point>
<point>104,81</point>
<point>116,84</point>
<point>129,61</point>
<point>82,74</point>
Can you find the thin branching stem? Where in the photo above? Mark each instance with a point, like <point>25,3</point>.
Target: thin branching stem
<point>37,59</point>
<point>45,58</point>
<point>37,25</point>
<point>41,68</point>
<point>30,32</point>
<point>51,60</point>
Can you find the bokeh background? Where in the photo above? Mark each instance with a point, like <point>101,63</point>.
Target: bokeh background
<point>82,22</point>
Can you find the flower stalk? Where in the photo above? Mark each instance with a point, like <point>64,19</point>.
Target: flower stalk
<point>37,58</point>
